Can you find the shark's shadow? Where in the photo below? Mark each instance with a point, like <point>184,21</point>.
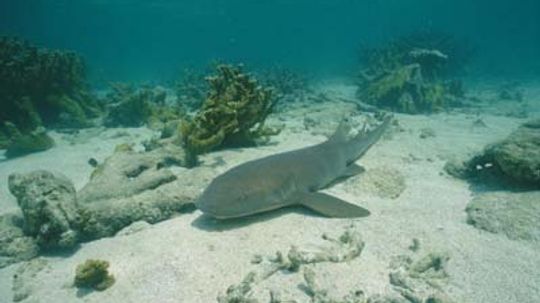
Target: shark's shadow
<point>208,223</point>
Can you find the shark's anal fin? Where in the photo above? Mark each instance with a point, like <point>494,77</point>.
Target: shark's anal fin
<point>331,206</point>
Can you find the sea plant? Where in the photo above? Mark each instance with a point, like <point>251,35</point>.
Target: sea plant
<point>233,114</point>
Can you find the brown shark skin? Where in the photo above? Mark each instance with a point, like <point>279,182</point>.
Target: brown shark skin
<point>284,179</point>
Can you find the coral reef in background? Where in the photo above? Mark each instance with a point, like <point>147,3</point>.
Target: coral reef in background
<point>129,106</point>
<point>191,89</point>
<point>233,114</point>
<point>93,274</point>
<point>22,144</point>
<point>41,87</point>
<point>411,75</point>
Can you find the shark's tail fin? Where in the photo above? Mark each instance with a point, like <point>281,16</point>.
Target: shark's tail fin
<point>365,139</point>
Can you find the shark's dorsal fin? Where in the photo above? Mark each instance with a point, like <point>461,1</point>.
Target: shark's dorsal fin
<point>342,131</point>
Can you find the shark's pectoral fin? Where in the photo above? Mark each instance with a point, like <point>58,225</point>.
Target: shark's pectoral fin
<point>331,206</point>
<point>353,170</point>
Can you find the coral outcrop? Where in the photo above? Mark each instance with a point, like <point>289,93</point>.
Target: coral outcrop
<point>127,187</point>
<point>233,114</point>
<point>23,144</point>
<point>514,160</point>
<point>49,208</point>
<point>93,274</point>
<point>406,75</point>
<point>41,87</point>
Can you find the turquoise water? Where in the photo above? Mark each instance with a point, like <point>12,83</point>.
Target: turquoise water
<point>152,40</point>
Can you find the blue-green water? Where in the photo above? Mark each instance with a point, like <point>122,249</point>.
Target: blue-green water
<point>152,40</point>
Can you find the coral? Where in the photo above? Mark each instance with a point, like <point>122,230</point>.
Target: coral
<point>406,76</point>
<point>48,204</point>
<point>93,274</point>
<point>43,87</point>
<point>233,114</point>
<point>23,144</point>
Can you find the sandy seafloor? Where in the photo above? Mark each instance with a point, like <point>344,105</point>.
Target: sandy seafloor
<point>187,259</point>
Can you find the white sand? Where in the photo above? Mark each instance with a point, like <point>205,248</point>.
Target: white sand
<point>188,260</point>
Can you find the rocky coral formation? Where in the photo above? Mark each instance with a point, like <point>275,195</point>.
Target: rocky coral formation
<point>93,274</point>
<point>514,160</point>
<point>49,207</point>
<point>406,76</point>
<point>127,187</point>
<point>129,106</point>
<point>516,215</point>
<point>15,246</point>
<point>41,87</point>
<point>233,114</point>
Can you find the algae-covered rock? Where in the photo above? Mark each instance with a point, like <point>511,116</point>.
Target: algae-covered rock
<point>15,246</point>
<point>23,144</point>
<point>49,207</point>
<point>516,215</point>
<point>514,160</point>
<point>93,274</point>
<point>233,114</point>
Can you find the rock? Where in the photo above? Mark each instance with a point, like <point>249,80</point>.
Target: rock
<point>517,215</point>
<point>15,246</point>
<point>49,207</point>
<point>427,133</point>
<point>384,182</point>
<point>514,160</point>
<point>127,173</point>
<point>518,156</point>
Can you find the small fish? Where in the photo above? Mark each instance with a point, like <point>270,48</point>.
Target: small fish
<point>292,178</point>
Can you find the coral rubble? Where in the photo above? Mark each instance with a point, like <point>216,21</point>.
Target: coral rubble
<point>233,114</point>
<point>93,274</point>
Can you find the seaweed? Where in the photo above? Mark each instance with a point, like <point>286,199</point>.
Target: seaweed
<point>232,115</point>
<point>93,274</point>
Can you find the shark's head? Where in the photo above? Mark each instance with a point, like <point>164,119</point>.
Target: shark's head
<point>228,196</point>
